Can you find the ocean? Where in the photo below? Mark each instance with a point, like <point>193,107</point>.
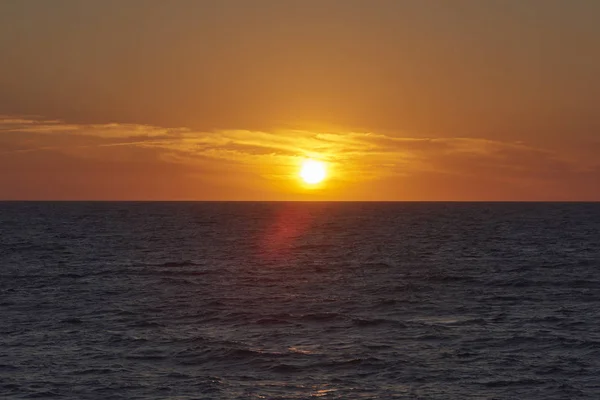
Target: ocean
<point>226,300</point>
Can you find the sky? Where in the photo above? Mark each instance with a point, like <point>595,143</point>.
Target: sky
<point>423,100</point>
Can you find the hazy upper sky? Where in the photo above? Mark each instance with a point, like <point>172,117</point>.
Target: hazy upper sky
<point>221,99</point>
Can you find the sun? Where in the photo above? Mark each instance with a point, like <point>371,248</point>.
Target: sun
<point>313,171</point>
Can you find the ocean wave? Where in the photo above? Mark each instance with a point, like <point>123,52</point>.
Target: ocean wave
<point>178,264</point>
<point>399,301</point>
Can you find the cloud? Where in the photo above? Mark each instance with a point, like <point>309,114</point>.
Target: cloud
<point>263,157</point>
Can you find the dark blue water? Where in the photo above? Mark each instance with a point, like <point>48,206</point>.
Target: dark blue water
<point>299,301</point>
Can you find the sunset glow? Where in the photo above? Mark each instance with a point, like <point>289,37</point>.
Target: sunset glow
<point>224,100</point>
<point>313,172</point>
<point>291,198</point>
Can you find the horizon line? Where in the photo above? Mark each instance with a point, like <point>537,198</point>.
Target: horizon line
<point>289,201</point>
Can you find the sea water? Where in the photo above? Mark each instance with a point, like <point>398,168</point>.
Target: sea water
<point>299,300</point>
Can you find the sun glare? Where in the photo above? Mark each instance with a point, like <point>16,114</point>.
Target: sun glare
<point>313,172</point>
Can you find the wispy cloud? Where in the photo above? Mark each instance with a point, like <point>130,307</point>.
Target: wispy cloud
<point>353,156</point>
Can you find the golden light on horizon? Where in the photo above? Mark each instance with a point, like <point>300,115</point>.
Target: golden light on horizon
<point>313,172</point>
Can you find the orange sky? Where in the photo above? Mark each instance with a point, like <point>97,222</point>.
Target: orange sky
<point>221,100</point>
